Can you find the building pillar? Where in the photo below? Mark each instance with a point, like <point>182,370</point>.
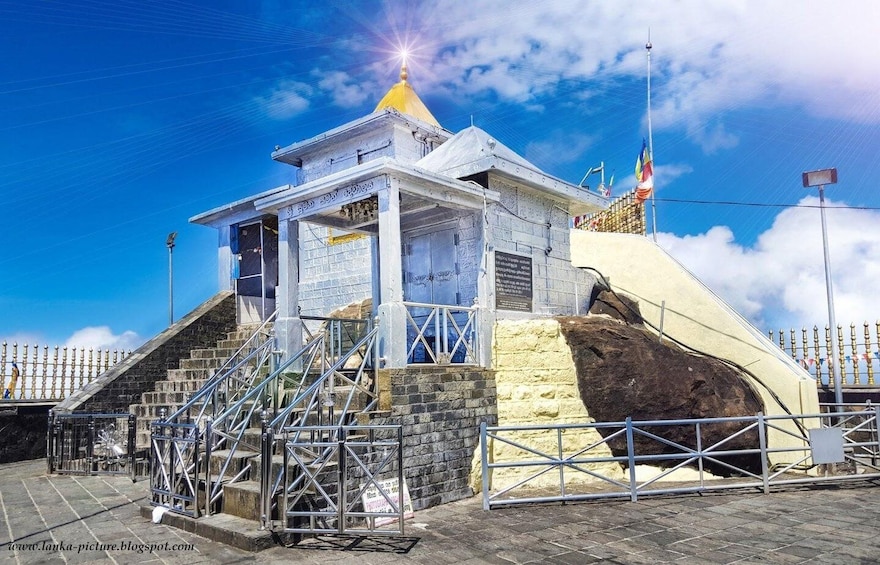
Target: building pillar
<point>391,311</point>
<point>225,259</point>
<point>288,326</point>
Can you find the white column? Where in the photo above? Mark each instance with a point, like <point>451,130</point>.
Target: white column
<point>392,314</point>
<point>225,258</point>
<point>288,327</point>
<point>486,296</point>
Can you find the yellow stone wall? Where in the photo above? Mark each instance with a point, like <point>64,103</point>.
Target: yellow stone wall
<point>536,385</point>
<point>693,314</point>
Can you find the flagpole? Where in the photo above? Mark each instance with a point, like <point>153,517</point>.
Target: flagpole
<point>651,141</point>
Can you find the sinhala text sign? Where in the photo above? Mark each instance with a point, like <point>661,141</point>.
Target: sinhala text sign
<point>513,282</point>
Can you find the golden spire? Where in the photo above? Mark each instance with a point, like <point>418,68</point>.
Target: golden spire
<point>404,99</point>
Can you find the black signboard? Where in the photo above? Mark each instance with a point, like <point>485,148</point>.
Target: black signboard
<point>513,282</point>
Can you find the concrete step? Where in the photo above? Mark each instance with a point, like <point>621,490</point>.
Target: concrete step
<point>238,461</point>
<point>189,385</point>
<point>225,528</point>
<point>200,374</point>
<point>165,398</point>
<point>216,352</point>
<point>201,363</point>
<point>242,499</point>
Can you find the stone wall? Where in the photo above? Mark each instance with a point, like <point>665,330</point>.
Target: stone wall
<point>331,275</point>
<point>527,224</point>
<point>122,385</point>
<point>536,384</point>
<point>441,409</point>
<point>23,429</point>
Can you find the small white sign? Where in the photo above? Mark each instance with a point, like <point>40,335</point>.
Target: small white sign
<point>377,503</point>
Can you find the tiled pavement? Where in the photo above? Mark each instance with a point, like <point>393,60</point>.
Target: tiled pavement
<point>66,519</point>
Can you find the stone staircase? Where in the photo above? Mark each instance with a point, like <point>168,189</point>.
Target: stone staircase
<point>183,382</point>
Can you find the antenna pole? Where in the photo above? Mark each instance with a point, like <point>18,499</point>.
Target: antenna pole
<point>648,47</point>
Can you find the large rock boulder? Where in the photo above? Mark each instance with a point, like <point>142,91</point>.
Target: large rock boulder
<point>625,371</point>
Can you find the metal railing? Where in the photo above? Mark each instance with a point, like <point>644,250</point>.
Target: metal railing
<point>328,393</point>
<point>91,444</point>
<point>606,466</point>
<point>29,372</point>
<point>343,480</point>
<point>252,388</point>
<point>858,354</point>
<point>441,334</point>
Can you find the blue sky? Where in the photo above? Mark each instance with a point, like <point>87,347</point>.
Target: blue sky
<point>121,120</point>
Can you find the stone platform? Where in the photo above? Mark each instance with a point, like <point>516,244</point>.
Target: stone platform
<point>69,519</point>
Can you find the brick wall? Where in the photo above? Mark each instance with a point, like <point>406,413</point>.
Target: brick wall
<point>441,409</point>
<point>23,428</point>
<point>122,385</point>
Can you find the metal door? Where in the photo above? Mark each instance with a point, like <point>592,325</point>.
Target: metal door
<point>432,275</point>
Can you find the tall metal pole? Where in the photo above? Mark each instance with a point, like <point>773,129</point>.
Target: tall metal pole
<point>170,244</point>
<point>820,178</point>
<point>648,47</point>
<point>832,356</point>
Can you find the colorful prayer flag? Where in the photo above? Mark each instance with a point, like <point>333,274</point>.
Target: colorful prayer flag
<point>644,174</point>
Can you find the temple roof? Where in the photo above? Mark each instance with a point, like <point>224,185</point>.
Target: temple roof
<point>404,99</point>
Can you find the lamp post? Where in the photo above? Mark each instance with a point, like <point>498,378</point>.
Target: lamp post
<point>821,178</point>
<point>170,244</point>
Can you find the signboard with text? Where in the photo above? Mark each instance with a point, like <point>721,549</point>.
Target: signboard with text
<point>513,282</point>
<point>376,502</point>
<point>333,199</point>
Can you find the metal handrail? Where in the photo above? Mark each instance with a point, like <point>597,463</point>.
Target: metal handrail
<point>441,320</point>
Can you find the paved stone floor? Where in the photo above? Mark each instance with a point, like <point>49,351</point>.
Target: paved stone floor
<point>66,519</point>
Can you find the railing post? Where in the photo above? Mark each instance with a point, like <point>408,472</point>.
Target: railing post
<point>266,440</point>
<point>195,475</point>
<point>90,446</point>
<point>875,449</point>
<point>484,457</point>
<point>631,457</point>
<point>343,475</point>
<point>50,438</point>
<point>132,439</point>
<point>762,439</point>
<point>209,491</point>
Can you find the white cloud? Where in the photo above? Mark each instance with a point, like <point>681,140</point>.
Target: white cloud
<point>103,338</point>
<point>343,90</point>
<point>286,100</point>
<point>779,282</point>
<point>708,57</point>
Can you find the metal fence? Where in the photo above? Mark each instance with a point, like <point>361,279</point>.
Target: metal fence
<point>858,352</point>
<point>92,444</point>
<point>343,480</point>
<point>30,372</point>
<point>528,464</point>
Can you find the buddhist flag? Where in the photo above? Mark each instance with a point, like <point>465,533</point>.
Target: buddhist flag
<point>644,174</point>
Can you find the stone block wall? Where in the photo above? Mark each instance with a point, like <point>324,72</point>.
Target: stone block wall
<point>536,383</point>
<point>440,409</point>
<point>122,385</point>
<point>331,275</point>
<point>23,429</point>
<point>530,225</point>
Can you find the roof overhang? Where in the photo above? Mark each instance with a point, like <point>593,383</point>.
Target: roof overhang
<point>424,195</point>
<point>235,212</point>
<point>578,200</point>
<point>293,154</point>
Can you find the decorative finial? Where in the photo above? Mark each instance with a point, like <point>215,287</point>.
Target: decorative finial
<point>403,74</point>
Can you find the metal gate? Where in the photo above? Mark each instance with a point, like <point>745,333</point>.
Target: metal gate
<point>91,444</point>
<point>344,480</point>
